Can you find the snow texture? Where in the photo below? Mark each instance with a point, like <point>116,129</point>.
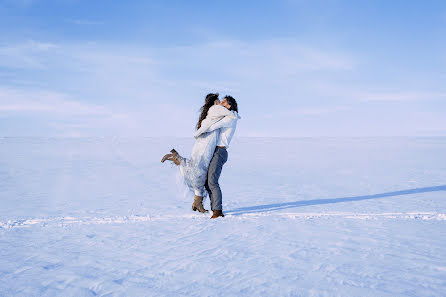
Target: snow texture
<point>304,217</point>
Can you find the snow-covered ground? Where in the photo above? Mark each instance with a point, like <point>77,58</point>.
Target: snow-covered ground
<point>304,217</point>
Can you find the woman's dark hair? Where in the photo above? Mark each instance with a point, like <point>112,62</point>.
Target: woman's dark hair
<point>231,102</point>
<point>208,102</point>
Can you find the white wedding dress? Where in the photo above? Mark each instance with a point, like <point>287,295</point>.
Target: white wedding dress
<point>194,170</point>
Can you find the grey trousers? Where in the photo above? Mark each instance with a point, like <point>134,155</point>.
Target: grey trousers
<point>220,157</point>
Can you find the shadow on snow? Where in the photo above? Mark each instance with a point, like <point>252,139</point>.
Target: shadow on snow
<point>278,206</point>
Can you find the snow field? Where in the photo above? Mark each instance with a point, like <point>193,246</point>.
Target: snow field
<point>305,217</point>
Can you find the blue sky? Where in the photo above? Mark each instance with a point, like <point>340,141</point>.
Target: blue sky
<point>297,68</point>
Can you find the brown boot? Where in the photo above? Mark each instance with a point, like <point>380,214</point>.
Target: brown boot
<point>217,213</point>
<point>198,204</point>
<point>166,157</point>
<point>174,157</point>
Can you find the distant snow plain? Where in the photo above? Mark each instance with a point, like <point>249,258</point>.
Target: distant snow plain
<point>304,217</point>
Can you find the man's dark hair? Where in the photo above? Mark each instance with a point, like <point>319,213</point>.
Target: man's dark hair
<point>231,102</point>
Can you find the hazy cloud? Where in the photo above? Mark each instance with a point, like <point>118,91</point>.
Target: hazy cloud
<point>29,54</point>
<point>400,96</point>
<point>142,90</point>
<point>38,101</point>
<point>86,22</point>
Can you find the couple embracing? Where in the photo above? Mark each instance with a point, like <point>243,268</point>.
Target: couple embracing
<point>215,128</point>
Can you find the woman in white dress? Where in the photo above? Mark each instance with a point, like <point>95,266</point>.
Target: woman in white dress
<point>194,170</point>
